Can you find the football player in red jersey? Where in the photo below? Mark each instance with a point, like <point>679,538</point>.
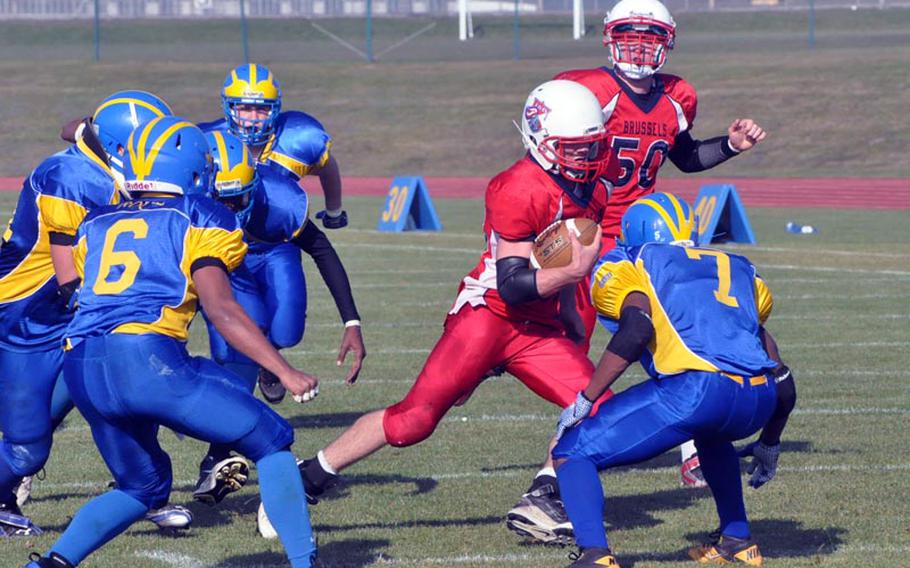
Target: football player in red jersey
<point>505,316</point>
<point>649,116</point>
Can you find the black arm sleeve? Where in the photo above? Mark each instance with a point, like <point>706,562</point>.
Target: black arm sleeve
<point>62,239</point>
<point>516,281</point>
<point>208,261</point>
<point>634,333</point>
<point>314,242</point>
<point>690,155</point>
<point>786,400</point>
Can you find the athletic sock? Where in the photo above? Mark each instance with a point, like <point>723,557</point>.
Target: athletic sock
<point>97,522</point>
<point>583,497</point>
<point>720,466</point>
<point>687,450</point>
<point>282,495</point>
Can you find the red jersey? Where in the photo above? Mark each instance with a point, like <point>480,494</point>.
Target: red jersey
<point>520,203</point>
<point>643,130</point>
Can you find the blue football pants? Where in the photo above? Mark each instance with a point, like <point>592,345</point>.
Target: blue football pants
<point>651,418</point>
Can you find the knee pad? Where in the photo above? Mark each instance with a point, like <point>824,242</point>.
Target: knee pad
<point>26,459</point>
<point>283,335</point>
<point>153,491</point>
<point>271,434</point>
<point>406,425</point>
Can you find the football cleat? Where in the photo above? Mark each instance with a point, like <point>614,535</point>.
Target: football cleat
<point>264,525</point>
<point>13,523</point>
<point>593,557</point>
<point>23,490</point>
<point>690,473</point>
<point>316,480</point>
<point>170,517</point>
<point>727,550</point>
<point>271,388</point>
<point>217,480</point>
<point>52,561</point>
<point>541,516</point>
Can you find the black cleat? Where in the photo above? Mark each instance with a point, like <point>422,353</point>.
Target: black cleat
<point>271,388</point>
<point>316,480</point>
<point>14,524</point>
<point>217,480</point>
<point>593,558</point>
<point>53,561</point>
<point>727,550</point>
<point>541,516</point>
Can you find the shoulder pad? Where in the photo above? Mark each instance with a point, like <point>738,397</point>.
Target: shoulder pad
<point>206,213</point>
<point>300,143</point>
<point>598,80</point>
<point>683,93</point>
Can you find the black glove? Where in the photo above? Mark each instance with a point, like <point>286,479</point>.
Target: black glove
<point>68,294</point>
<point>329,222</point>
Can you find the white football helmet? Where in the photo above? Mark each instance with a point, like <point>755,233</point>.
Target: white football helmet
<point>639,34</point>
<point>563,127</point>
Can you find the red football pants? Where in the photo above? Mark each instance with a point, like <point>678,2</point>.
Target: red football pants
<point>475,341</point>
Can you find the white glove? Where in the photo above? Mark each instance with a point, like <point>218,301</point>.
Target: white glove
<point>307,396</point>
<point>573,414</point>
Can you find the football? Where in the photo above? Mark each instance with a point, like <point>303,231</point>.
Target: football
<point>552,248</point>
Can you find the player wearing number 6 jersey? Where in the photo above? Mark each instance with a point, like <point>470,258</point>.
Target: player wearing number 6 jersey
<point>694,317</point>
<point>144,263</point>
<point>650,116</point>
<point>37,280</point>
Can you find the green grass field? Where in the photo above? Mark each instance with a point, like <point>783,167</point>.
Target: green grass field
<point>441,107</point>
<point>841,498</point>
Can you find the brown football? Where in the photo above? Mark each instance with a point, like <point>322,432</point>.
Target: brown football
<point>552,248</point>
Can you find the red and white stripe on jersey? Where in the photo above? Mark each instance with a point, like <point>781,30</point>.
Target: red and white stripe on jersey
<point>643,130</point>
<point>520,203</point>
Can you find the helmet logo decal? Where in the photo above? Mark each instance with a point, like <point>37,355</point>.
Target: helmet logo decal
<point>534,112</point>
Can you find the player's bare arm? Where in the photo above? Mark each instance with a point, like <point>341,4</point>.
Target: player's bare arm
<point>330,178</point>
<point>238,329</point>
<point>64,267</point>
<point>315,243</point>
<point>547,281</point>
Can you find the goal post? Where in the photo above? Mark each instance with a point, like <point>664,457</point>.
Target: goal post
<point>578,19</point>
<point>465,22</point>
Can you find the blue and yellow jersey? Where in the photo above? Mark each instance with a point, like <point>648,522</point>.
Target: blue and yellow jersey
<point>136,261</point>
<point>299,145</point>
<point>279,211</point>
<point>706,306</point>
<point>53,202</point>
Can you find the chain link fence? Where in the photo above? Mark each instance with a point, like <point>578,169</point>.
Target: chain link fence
<point>129,9</point>
<point>317,31</point>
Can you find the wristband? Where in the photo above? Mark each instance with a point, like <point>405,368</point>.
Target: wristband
<point>352,323</point>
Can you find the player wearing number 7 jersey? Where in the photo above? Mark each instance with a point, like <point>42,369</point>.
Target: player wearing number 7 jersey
<point>694,317</point>
<point>649,116</point>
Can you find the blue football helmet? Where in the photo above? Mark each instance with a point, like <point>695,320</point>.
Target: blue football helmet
<point>121,113</point>
<point>168,155</point>
<point>235,173</point>
<point>251,84</point>
<point>657,218</point>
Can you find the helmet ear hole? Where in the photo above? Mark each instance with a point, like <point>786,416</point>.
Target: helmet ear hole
<point>177,142</point>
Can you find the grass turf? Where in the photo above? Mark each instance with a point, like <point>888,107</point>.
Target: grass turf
<point>840,499</point>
